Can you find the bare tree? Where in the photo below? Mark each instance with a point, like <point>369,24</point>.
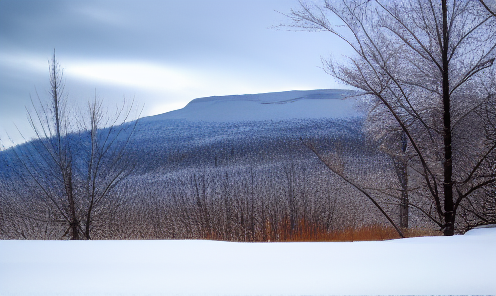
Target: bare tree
<point>426,64</point>
<point>103,141</point>
<point>74,164</point>
<point>47,161</point>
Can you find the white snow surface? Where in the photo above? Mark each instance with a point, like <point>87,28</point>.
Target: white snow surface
<point>312,104</point>
<point>462,264</point>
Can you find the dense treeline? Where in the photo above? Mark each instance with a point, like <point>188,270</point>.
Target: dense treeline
<point>261,184</point>
<point>238,203</point>
<point>177,144</point>
<point>204,182</point>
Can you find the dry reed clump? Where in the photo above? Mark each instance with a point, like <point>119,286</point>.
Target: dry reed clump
<point>310,232</point>
<point>303,231</point>
<point>378,233</point>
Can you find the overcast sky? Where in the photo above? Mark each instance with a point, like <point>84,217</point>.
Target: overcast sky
<point>164,53</point>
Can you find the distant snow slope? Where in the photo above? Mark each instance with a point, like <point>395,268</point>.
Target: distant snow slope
<point>462,264</point>
<point>312,104</point>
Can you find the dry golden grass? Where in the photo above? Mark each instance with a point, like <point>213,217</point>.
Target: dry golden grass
<point>377,233</point>
<point>308,232</point>
<point>303,231</point>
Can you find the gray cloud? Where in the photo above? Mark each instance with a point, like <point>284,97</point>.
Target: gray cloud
<point>197,48</point>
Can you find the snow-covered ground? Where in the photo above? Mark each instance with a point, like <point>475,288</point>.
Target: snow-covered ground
<point>429,265</point>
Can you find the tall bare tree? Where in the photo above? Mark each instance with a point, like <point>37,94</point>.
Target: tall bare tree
<point>74,164</point>
<point>427,64</point>
<point>47,161</point>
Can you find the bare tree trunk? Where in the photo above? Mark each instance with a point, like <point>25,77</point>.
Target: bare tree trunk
<point>62,150</point>
<point>449,216</point>
<point>74,223</point>
<point>401,169</point>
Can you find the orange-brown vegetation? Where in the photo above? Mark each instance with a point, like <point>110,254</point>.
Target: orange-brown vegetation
<point>303,231</point>
<point>309,233</point>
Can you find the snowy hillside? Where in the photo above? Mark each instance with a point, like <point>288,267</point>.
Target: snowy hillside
<point>261,161</point>
<point>234,129</point>
<point>313,104</point>
<point>419,266</point>
<point>243,129</point>
<point>208,129</point>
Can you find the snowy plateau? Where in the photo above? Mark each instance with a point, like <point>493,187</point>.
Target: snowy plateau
<point>289,105</point>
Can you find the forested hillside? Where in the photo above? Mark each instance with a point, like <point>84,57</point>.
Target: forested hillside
<point>207,176</point>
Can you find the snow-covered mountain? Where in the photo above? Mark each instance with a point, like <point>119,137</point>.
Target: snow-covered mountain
<point>241,128</point>
<point>245,129</point>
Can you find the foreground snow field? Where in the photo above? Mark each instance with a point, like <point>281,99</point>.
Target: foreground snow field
<point>429,265</point>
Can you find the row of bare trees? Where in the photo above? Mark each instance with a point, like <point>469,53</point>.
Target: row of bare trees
<point>278,202</point>
<point>426,69</point>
